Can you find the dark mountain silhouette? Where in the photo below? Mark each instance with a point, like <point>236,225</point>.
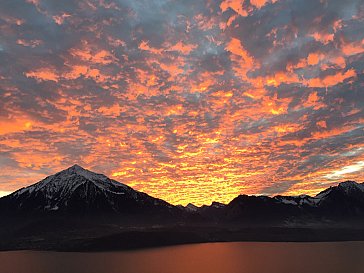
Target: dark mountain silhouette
<point>340,204</point>
<point>79,191</point>
<point>77,209</point>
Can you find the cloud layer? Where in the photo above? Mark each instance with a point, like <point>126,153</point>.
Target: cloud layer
<point>189,101</point>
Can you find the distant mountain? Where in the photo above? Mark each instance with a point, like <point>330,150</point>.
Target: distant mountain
<point>345,201</point>
<point>80,191</point>
<point>340,204</point>
<point>77,190</point>
<point>77,209</point>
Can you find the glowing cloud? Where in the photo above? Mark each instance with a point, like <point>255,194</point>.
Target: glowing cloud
<point>189,101</point>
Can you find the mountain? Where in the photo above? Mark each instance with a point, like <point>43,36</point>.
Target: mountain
<point>79,191</point>
<point>345,201</point>
<point>79,210</point>
<point>339,204</point>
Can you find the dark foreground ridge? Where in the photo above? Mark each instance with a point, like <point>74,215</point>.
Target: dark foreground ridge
<point>78,210</point>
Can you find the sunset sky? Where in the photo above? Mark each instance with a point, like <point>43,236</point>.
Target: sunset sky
<point>190,100</point>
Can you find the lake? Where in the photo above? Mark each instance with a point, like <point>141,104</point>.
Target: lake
<point>247,257</point>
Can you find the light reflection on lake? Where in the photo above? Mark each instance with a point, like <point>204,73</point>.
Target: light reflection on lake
<point>336,257</point>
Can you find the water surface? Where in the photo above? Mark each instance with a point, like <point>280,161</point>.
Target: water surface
<point>337,257</point>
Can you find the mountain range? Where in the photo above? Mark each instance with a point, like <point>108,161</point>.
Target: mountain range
<point>77,209</point>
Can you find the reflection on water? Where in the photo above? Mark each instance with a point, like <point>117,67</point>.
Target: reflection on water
<point>341,257</point>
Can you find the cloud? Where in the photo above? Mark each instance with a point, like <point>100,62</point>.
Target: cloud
<point>190,101</point>
<point>346,170</point>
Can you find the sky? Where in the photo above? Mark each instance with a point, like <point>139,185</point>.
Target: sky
<point>189,101</point>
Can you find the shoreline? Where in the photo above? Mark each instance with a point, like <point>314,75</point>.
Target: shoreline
<point>165,237</point>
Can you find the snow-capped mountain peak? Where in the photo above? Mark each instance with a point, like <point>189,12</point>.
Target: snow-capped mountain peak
<point>350,186</point>
<point>66,181</point>
<point>78,170</point>
<point>347,188</point>
<point>56,190</point>
<point>78,189</point>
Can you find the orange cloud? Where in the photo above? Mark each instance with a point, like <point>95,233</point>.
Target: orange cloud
<point>282,77</point>
<point>314,58</point>
<point>321,124</point>
<point>324,38</point>
<point>145,46</point>
<point>43,74</point>
<point>182,48</point>
<point>331,80</point>
<point>242,60</point>
<point>92,56</point>
<point>14,125</point>
<point>113,111</point>
<point>76,72</point>
<point>331,132</point>
<point>354,48</point>
<point>260,3</point>
<point>313,100</point>
<point>236,5</point>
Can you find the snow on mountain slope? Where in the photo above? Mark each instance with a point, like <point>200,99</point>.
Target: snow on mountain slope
<point>351,186</point>
<point>300,200</point>
<point>66,181</point>
<point>79,189</point>
<point>347,188</point>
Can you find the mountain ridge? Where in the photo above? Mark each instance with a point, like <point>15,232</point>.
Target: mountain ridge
<point>79,210</point>
<point>97,177</point>
<point>58,191</point>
